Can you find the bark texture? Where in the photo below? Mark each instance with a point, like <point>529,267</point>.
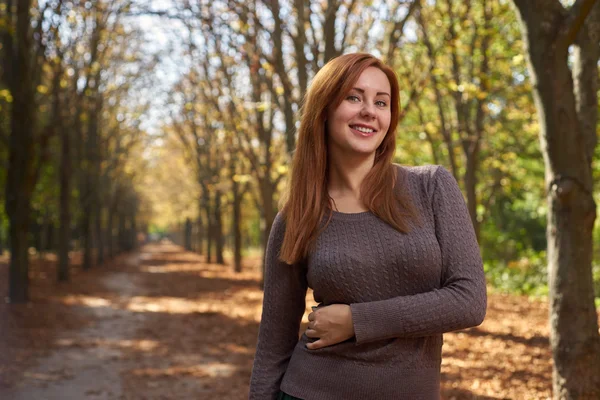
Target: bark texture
<point>21,175</point>
<point>567,106</point>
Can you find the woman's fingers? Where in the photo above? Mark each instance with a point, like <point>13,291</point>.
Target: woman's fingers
<point>316,345</point>
<point>311,333</point>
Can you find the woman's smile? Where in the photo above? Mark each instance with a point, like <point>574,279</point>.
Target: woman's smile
<point>363,130</point>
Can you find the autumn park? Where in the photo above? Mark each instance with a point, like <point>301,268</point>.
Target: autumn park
<point>145,146</point>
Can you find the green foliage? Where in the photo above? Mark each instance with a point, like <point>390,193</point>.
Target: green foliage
<point>596,277</point>
<point>527,275</point>
<point>514,226</point>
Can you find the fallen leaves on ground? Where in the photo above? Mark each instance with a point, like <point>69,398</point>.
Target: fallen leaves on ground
<point>175,327</point>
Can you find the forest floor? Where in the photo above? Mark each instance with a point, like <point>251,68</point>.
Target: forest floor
<point>160,323</point>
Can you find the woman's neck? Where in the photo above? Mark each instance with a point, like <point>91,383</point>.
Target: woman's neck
<point>346,174</point>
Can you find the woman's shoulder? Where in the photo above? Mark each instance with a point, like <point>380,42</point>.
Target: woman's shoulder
<point>423,174</point>
<point>423,179</point>
<point>420,170</point>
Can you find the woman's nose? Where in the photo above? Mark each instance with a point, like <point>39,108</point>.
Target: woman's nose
<point>368,110</point>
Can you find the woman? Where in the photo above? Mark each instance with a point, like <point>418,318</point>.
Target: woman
<point>389,251</point>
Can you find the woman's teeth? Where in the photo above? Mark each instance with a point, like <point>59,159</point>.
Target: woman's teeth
<point>363,130</point>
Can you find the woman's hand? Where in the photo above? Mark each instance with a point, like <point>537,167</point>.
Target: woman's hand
<point>330,325</point>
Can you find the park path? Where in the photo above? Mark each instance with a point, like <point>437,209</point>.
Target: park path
<point>87,363</point>
<point>160,323</point>
<point>155,324</point>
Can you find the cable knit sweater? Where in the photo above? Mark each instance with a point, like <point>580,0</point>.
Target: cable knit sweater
<point>404,292</point>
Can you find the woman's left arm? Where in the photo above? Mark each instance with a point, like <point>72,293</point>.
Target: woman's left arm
<point>460,302</point>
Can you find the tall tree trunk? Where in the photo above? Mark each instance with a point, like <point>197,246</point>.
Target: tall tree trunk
<point>268,216</point>
<point>85,199</point>
<point>41,237</point>
<point>20,177</point>
<point>236,222</point>
<point>110,235</point>
<point>121,235</point>
<point>470,136</point>
<point>567,106</point>
<point>97,188</point>
<point>219,239</point>
<point>187,237</point>
<point>1,239</point>
<point>99,235</point>
<point>200,237</point>
<point>209,228</point>
<point>470,179</point>
<point>133,240</point>
<point>64,235</point>
<point>86,233</point>
<point>329,31</point>
<point>36,232</point>
<point>51,238</point>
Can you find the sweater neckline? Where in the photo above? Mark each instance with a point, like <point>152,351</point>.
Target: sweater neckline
<point>359,216</point>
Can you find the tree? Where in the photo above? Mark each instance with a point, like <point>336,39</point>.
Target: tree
<point>24,54</point>
<point>567,103</point>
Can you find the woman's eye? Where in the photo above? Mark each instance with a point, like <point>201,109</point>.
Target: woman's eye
<point>381,103</point>
<point>353,98</point>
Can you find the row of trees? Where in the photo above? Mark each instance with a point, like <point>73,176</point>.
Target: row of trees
<point>68,75</point>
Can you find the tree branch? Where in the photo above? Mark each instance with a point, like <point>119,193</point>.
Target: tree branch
<point>395,33</point>
<point>574,21</point>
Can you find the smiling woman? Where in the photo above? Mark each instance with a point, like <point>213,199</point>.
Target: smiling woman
<point>388,250</point>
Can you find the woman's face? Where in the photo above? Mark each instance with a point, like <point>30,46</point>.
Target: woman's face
<point>359,124</point>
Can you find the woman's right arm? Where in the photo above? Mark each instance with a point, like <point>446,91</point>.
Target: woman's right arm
<point>283,306</point>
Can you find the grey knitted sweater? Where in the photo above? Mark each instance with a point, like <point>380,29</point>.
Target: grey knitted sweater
<point>404,291</point>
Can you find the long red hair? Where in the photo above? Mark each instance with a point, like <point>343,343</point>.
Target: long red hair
<point>306,200</point>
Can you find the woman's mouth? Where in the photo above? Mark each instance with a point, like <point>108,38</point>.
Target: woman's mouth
<point>363,130</point>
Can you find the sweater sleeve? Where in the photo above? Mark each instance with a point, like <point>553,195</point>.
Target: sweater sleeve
<point>461,300</point>
<point>283,306</point>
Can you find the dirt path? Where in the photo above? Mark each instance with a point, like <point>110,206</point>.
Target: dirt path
<point>158,324</point>
<point>161,324</point>
<point>87,363</point>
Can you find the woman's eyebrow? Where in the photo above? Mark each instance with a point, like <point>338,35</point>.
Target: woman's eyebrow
<point>363,91</point>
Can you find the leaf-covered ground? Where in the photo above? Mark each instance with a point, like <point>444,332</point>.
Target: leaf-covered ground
<point>162,324</point>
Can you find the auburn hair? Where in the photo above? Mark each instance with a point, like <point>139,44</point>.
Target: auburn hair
<point>306,199</point>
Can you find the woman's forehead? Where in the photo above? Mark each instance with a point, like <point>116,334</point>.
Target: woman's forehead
<point>374,80</point>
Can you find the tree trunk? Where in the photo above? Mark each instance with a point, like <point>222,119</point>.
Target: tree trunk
<point>133,240</point>
<point>110,241</point>
<point>200,237</point>
<point>236,227</point>
<point>99,235</point>
<point>42,236</point>
<point>1,239</point>
<point>20,176</point>
<point>268,214</point>
<point>209,228</point>
<point>188,235</point>
<point>121,235</point>
<point>568,116</point>
<point>86,233</point>
<point>36,232</point>
<point>470,180</point>
<point>51,238</point>
<point>329,31</point>
<point>219,240</point>
<point>95,172</point>
<point>64,235</point>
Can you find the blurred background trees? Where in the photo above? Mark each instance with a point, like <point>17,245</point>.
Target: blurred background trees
<point>70,74</point>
